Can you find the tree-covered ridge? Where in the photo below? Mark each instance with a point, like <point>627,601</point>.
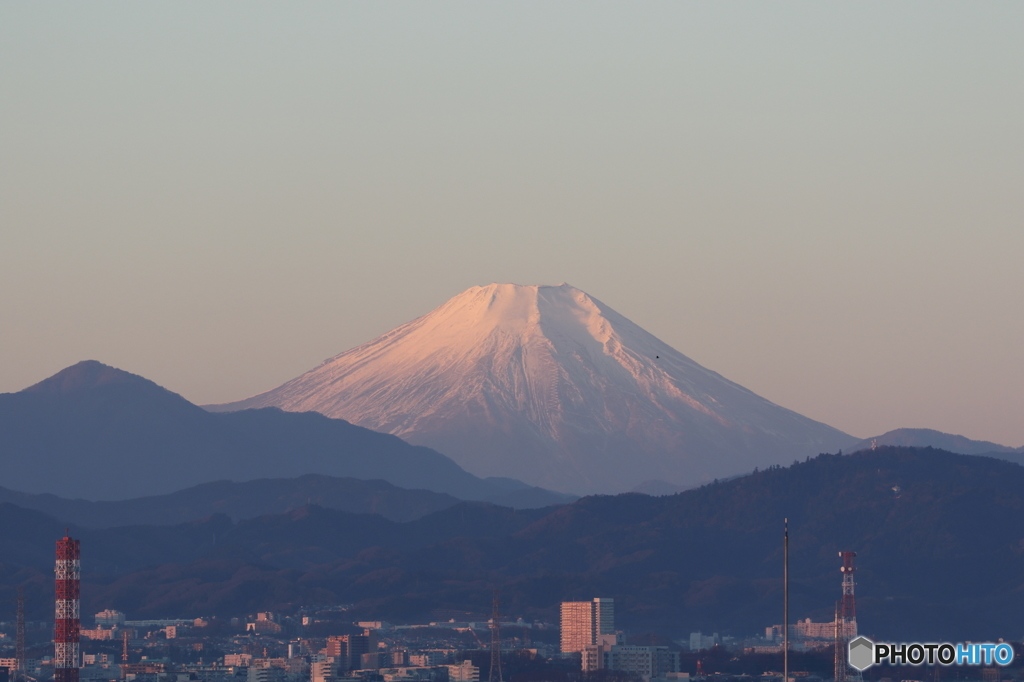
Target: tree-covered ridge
<point>939,538</point>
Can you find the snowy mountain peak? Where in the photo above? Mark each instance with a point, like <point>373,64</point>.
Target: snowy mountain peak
<point>549,385</point>
<point>504,308</point>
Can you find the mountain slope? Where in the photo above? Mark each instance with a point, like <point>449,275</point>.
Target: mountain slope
<point>551,386</point>
<point>96,432</point>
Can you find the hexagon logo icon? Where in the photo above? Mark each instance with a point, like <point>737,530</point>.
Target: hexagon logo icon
<point>861,653</point>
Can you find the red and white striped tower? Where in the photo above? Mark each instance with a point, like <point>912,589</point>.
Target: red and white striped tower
<point>65,641</point>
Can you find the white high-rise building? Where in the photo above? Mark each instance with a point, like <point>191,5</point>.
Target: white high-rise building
<point>699,641</point>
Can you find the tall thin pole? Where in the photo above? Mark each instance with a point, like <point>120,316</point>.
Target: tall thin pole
<point>785,604</point>
<point>495,675</point>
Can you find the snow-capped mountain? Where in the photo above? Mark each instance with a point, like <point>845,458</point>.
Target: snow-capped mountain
<point>549,385</point>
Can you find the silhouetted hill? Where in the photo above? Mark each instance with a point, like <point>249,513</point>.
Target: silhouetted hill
<point>243,501</point>
<point>657,488</point>
<point>930,438</point>
<point>96,432</point>
<point>939,537</point>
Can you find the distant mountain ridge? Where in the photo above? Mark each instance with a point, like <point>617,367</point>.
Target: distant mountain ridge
<point>242,500</point>
<point>938,536</point>
<point>920,438</point>
<point>95,432</point>
<point>89,375</point>
<point>551,386</point>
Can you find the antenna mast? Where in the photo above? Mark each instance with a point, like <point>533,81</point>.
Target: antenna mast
<point>785,604</point>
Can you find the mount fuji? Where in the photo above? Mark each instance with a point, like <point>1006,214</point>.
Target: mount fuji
<point>551,386</point>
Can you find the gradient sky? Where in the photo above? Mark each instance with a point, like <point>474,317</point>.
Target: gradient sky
<point>823,202</point>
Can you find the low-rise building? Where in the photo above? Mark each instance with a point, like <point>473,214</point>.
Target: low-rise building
<point>430,657</point>
<point>267,674</point>
<point>646,661</point>
<point>414,674</point>
<point>99,633</point>
<point>109,618</point>
<point>323,670</point>
<point>463,672</point>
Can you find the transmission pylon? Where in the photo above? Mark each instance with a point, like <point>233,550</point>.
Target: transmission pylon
<point>495,641</point>
<point>846,620</point>
<point>19,651</point>
<point>125,636</point>
<point>839,672</point>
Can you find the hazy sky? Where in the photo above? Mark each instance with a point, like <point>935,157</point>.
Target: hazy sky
<point>822,201</point>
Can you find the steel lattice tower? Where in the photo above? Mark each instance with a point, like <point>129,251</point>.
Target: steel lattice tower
<point>849,608</point>
<point>495,675</point>
<point>65,641</point>
<point>840,653</point>
<point>846,616</point>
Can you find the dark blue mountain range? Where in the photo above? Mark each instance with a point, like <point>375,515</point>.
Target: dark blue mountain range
<point>94,432</point>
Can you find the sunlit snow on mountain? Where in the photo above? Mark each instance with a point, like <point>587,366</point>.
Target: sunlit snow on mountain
<point>549,385</point>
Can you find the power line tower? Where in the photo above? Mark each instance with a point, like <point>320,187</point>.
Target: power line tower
<point>840,655</point>
<point>495,641</point>
<point>125,634</point>
<point>19,651</point>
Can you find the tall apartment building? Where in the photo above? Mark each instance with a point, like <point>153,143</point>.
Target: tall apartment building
<point>583,621</point>
<point>348,650</point>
